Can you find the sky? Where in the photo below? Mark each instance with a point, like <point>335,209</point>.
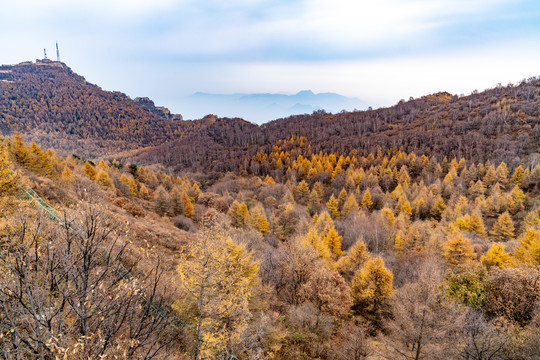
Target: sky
<point>378,51</point>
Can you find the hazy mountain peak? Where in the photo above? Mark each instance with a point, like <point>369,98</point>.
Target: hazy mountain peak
<point>263,107</point>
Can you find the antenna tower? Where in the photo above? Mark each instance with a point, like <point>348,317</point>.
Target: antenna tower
<point>57,53</point>
<point>45,53</point>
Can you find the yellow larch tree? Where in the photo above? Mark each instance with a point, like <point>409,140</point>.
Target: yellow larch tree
<point>333,240</point>
<point>188,206</point>
<point>367,203</point>
<point>458,250</point>
<point>372,290</point>
<point>496,256</point>
<point>355,258</point>
<point>332,206</point>
<point>528,251</point>
<point>103,179</point>
<point>89,170</point>
<point>8,179</point>
<point>218,275</point>
<point>316,242</point>
<point>503,229</point>
<point>350,206</point>
<point>517,176</point>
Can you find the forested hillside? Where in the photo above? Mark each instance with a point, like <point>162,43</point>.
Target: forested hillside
<point>411,232</point>
<point>501,124</point>
<point>48,103</point>
<point>386,256</point>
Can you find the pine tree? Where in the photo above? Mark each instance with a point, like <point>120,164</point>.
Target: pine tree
<point>458,250</point>
<point>371,290</point>
<point>503,229</point>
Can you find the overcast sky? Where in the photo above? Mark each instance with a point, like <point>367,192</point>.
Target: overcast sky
<point>378,50</point>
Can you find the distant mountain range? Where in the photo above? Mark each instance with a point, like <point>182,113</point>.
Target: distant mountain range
<point>261,108</point>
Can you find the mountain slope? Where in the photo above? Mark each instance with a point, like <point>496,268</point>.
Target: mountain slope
<point>501,124</point>
<point>57,108</point>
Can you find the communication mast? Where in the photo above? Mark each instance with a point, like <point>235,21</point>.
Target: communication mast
<point>57,53</point>
<point>45,53</point>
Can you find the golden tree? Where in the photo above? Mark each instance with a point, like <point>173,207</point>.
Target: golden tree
<point>350,205</point>
<point>332,206</point>
<point>528,251</point>
<point>143,192</point>
<point>89,170</point>
<point>503,229</point>
<point>366,200</point>
<point>372,290</point>
<point>8,179</point>
<point>496,256</point>
<point>353,260</point>
<point>333,240</point>
<point>301,192</point>
<point>218,275</point>
<point>458,250</point>
<point>517,176</point>
<point>103,179</point>
<point>188,207</point>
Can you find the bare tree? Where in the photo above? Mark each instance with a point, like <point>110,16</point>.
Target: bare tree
<point>66,290</point>
<point>424,321</point>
